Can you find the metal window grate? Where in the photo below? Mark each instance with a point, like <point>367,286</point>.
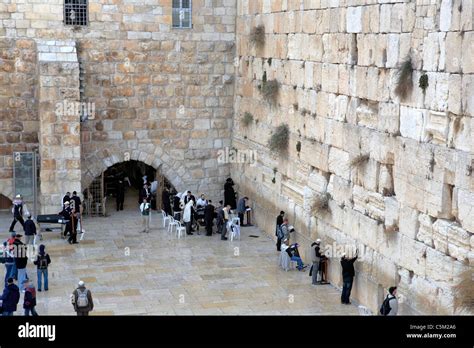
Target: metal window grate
<point>182,14</point>
<point>75,12</point>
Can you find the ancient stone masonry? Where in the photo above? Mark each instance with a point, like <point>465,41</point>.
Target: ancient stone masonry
<point>398,171</point>
<point>377,97</point>
<point>163,96</point>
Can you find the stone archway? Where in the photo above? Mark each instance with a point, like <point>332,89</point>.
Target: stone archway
<point>95,164</point>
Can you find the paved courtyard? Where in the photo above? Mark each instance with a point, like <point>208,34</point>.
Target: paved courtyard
<point>132,273</point>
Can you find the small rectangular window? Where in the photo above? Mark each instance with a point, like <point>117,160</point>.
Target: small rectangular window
<point>182,14</point>
<point>75,12</point>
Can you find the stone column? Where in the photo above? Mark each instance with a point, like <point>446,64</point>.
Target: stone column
<point>59,115</point>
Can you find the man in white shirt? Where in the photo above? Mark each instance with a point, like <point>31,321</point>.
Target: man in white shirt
<point>145,212</point>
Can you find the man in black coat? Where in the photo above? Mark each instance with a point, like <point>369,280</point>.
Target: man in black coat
<point>165,198</point>
<point>347,277</point>
<point>209,217</point>
<point>278,224</point>
<point>30,231</point>
<point>229,194</point>
<point>120,195</point>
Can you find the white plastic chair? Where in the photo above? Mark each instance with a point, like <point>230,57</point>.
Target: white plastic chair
<point>234,231</point>
<point>285,262</point>
<point>173,223</point>
<point>165,218</point>
<point>180,229</point>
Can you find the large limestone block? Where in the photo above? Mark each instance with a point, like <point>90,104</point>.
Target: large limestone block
<point>392,208</point>
<point>441,229</point>
<point>467,95</point>
<point>354,19</point>
<point>453,48</point>
<point>316,154</point>
<point>385,183</point>
<point>339,162</point>
<point>459,243</point>
<point>389,118</point>
<point>366,174</point>
<point>425,232</point>
<point>370,231</point>
<point>408,222</point>
<point>413,256</point>
<point>351,224</point>
<point>438,199</point>
<point>468,53</point>
<point>340,190</point>
<point>412,122</point>
<point>465,206</point>
<point>440,267</point>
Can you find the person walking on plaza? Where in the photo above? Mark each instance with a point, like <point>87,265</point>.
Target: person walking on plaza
<point>29,301</point>
<point>19,210</point>
<point>21,259</point>
<point>82,299</point>
<point>10,298</point>
<point>145,212</point>
<point>278,234</point>
<point>348,274</point>
<point>42,263</point>
<point>390,304</point>
<point>242,208</point>
<point>30,231</point>
<point>8,255</point>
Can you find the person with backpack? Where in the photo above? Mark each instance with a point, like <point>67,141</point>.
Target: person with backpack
<point>10,298</point>
<point>278,233</point>
<point>42,262</point>
<point>348,274</point>
<point>29,301</point>
<point>82,300</point>
<point>390,304</point>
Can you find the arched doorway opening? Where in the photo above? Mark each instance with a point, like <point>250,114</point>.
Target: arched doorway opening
<point>100,198</point>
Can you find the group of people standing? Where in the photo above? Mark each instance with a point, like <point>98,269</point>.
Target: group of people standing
<point>319,264</point>
<point>72,214</point>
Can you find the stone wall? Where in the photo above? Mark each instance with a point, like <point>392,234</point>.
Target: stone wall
<point>409,202</point>
<point>19,124</point>
<point>60,138</point>
<point>161,95</point>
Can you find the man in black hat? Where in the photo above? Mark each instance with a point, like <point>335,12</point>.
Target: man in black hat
<point>278,232</point>
<point>348,274</point>
<point>229,194</point>
<point>209,217</point>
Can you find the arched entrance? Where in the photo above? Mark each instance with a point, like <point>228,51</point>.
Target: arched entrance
<point>126,177</point>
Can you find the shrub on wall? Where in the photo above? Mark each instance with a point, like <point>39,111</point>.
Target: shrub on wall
<point>423,82</point>
<point>269,90</point>
<point>404,84</point>
<point>464,292</point>
<point>279,140</point>
<point>359,160</point>
<point>320,203</point>
<point>257,36</point>
<point>247,119</point>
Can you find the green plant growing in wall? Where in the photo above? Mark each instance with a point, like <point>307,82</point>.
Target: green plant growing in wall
<point>269,90</point>
<point>298,146</point>
<point>247,119</point>
<point>423,82</point>
<point>320,203</point>
<point>257,36</point>
<point>404,84</point>
<point>278,141</point>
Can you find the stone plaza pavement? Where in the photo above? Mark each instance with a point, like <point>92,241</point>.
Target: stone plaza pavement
<point>132,273</point>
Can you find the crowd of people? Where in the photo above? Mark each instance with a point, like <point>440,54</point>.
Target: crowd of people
<point>182,207</point>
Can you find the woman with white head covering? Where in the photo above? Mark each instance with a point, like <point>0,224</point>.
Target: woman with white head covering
<point>188,216</point>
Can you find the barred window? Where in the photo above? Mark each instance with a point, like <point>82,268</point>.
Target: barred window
<point>75,12</point>
<point>182,14</point>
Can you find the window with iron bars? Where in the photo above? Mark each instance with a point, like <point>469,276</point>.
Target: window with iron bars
<point>182,14</point>
<point>75,12</point>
